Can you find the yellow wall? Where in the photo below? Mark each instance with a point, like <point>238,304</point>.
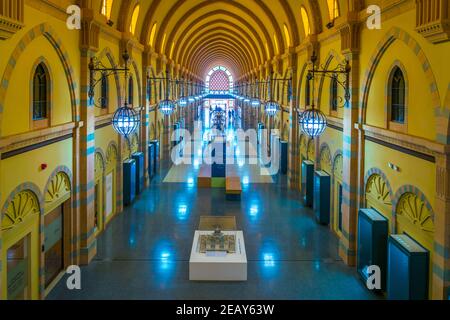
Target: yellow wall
<point>26,166</point>
<point>104,136</point>
<point>424,179</point>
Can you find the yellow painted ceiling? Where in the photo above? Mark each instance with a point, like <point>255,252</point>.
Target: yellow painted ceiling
<point>241,35</point>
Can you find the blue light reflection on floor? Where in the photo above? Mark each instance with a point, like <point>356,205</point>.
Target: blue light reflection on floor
<point>269,260</point>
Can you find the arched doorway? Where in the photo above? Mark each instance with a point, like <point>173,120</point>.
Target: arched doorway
<point>378,197</point>
<point>21,243</point>
<point>337,194</point>
<point>415,217</point>
<point>99,176</point>
<point>325,159</point>
<point>311,153</point>
<point>57,212</point>
<point>111,177</point>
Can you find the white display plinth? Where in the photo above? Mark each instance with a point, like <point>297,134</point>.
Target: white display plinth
<point>220,266</point>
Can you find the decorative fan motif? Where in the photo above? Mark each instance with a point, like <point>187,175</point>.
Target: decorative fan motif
<point>58,190</point>
<point>111,155</point>
<point>325,160</point>
<point>311,150</point>
<point>24,205</point>
<point>134,144</point>
<point>126,150</point>
<point>303,146</point>
<point>99,165</point>
<point>378,190</point>
<point>413,209</point>
<point>338,167</point>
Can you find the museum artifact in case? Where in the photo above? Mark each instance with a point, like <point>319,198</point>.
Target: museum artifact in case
<point>372,243</point>
<point>408,263</point>
<point>307,182</point>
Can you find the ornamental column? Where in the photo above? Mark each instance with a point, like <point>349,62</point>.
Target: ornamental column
<point>441,254</point>
<point>293,144</point>
<point>350,36</point>
<point>145,112</point>
<point>89,38</point>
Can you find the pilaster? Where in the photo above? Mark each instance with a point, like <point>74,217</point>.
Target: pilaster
<point>88,47</point>
<point>441,254</point>
<point>294,143</point>
<point>350,48</point>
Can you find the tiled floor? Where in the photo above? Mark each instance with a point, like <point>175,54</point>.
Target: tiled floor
<point>144,253</point>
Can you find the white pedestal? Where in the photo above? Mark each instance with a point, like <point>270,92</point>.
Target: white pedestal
<point>227,267</point>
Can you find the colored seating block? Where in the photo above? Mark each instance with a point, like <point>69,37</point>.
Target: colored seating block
<point>233,188</point>
<point>218,182</point>
<point>218,170</point>
<point>204,177</point>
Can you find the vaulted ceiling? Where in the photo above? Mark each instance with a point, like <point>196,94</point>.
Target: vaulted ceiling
<point>238,34</point>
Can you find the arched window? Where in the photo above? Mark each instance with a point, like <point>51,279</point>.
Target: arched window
<point>134,19</point>
<point>106,8</point>
<point>333,9</point>
<point>333,93</point>
<point>219,80</point>
<point>398,96</point>
<point>152,35</point>
<point>130,90</point>
<point>105,89</point>
<point>305,20</point>
<point>41,95</point>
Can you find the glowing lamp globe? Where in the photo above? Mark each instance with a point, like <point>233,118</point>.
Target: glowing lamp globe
<point>272,108</point>
<point>167,107</point>
<point>183,102</point>
<point>125,121</point>
<point>313,122</point>
<point>255,102</point>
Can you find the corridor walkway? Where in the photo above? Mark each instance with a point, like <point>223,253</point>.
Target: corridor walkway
<point>144,253</point>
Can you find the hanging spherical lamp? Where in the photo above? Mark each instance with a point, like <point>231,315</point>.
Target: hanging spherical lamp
<point>255,102</point>
<point>125,121</point>
<point>183,102</point>
<point>272,108</point>
<point>313,122</point>
<point>167,107</point>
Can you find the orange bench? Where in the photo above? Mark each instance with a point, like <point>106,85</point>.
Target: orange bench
<point>233,188</point>
<point>204,177</point>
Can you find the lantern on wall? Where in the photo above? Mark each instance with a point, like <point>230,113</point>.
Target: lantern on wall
<point>313,122</point>
<point>183,102</point>
<point>255,102</point>
<point>167,106</point>
<point>271,107</point>
<point>125,121</point>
